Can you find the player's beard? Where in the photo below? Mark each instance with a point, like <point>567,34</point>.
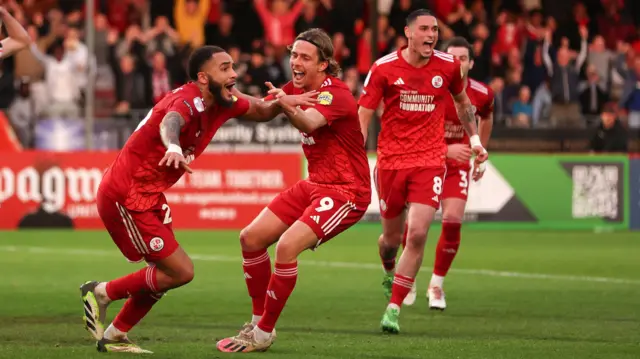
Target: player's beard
<point>216,90</point>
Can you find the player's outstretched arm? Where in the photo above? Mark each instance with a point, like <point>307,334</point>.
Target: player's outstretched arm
<point>259,110</point>
<point>170,133</point>
<point>365,115</point>
<point>307,120</point>
<point>17,39</point>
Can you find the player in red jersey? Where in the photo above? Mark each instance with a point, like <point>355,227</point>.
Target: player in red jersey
<point>17,37</point>
<point>414,83</point>
<point>130,198</point>
<point>333,198</point>
<point>456,182</point>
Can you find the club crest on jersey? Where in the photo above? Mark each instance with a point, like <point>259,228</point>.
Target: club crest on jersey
<point>436,81</point>
<point>325,98</point>
<point>156,244</point>
<point>383,205</point>
<point>197,101</point>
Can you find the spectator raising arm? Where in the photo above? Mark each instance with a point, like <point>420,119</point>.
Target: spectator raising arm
<point>17,39</point>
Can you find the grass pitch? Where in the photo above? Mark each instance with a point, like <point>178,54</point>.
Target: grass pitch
<point>510,295</point>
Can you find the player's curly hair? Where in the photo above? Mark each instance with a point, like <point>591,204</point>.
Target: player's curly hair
<point>198,58</point>
<point>322,41</point>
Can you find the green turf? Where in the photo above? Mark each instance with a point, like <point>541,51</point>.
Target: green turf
<point>335,310</point>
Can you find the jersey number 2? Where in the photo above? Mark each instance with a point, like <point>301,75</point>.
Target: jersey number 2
<point>167,214</point>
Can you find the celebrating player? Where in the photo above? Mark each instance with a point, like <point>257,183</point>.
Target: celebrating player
<point>332,199</point>
<point>17,37</point>
<point>415,83</point>
<point>130,198</point>
<point>456,181</point>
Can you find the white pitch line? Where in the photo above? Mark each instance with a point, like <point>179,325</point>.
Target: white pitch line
<point>331,264</point>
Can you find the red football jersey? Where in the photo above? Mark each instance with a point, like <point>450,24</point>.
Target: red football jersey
<point>135,177</point>
<point>412,124</point>
<point>336,154</point>
<point>481,97</point>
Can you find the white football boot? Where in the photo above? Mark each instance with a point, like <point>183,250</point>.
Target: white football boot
<point>436,298</point>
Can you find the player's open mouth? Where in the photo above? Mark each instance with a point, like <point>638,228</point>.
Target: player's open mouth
<point>229,87</point>
<point>298,75</point>
<point>428,43</point>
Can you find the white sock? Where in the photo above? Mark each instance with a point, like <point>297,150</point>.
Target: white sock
<point>393,306</point>
<point>113,333</point>
<point>260,335</point>
<point>436,281</point>
<point>255,319</point>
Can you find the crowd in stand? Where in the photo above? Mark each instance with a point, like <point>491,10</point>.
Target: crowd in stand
<point>550,63</point>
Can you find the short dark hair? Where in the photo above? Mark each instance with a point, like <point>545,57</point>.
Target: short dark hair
<point>322,41</point>
<point>459,41</point>
<point>417,13</point>
<point>198,58</point>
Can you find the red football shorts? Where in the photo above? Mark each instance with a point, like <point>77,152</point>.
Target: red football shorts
<point>139,235</point>
<point>326,211</point>
<point>456,183</point>
<point>397,188</point>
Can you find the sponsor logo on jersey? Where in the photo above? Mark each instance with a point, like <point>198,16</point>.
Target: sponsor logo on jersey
<point>199,104</point>
<point>436,81</point>
<point>325,98</point>
<point>189,106</point>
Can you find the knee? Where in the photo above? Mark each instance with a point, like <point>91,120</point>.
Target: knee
<point>286,251</point>
<point>417,236</point>
<point>250,241</point>
<point>451,217</point>
<point>392,240</point>
<point>184,274</point>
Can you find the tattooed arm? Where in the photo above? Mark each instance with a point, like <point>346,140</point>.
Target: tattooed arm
<point>170,133</point>
<point>467,117</point>
<point>466,114</point>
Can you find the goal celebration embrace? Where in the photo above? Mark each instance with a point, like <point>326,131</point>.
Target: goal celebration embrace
<point>427,140</point>
<point>325,179</point>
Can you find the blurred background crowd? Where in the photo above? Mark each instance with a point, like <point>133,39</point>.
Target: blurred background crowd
<point>551,63</point>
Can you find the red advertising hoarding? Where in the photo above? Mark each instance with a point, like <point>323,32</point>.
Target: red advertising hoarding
<point>226,191</point>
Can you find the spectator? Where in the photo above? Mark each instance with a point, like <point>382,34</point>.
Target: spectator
<point>610,135</point>
<point>130,93</point>
<point>190,17</point>
<point>160,79</point>
<point>497,86</point>
<point>602,59</point>
<point>22,114</point>
<point>542,104</point>
<point>630,99</point>
<point>223,35</point>
<point>522,110</point>
<point>162,37</point>
<point>593,95</point>
<point>279,21</point>
<point>61,80</point>
<point>309,19</point>
<point>564,81</point>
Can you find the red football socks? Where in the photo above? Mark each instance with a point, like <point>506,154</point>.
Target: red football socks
<point>401,287</point>
<point>134,309</point>
<point>447,248</point>
<point>257,273</point>
<point>280,287</point>
<point>142,281</point>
